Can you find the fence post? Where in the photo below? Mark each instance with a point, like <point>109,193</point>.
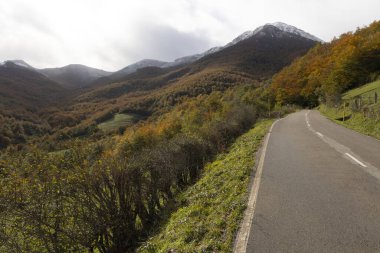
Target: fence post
<point>344,111</point>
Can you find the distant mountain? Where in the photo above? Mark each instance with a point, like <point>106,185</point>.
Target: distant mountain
<point>261,53</point>
<point>16,63</point>
<point>74,75</point>
<point>21,85</point>
<point>51,99</point>
<point>24,93</point>
<point>156,63</point>
<point>195,57</point>
<point>292,29</point>
<point>135,66</point>
<point>191,58</point>
<point>151,90</point>
<point>279,25</point>
<point>246,35</point>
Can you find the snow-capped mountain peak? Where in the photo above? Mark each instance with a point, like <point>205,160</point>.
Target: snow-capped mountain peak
<point>280,25</point>
<point>191,58</point>
<point>19,63</point>
<point>136,66</point>
<point>294,30</point>
<point>244,36</point>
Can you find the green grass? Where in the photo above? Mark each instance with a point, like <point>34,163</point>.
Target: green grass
<point>357,122</point>
<point>211,209</point>
<point>365,91</point>
<point>119,120</point>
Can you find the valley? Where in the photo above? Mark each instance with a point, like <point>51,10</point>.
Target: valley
<point>90,96</point>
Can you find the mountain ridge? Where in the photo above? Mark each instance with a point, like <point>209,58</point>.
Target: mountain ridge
<point>74,75</point>
<point>150,91</point>
<point>246,35</point>
<point>75,110</point>
<point>70,79</point>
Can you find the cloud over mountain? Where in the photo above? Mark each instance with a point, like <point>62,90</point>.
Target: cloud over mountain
<point>112,34</point>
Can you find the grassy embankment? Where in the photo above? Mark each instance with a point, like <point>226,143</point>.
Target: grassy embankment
<point>358,120</point>
<point>210,211</point>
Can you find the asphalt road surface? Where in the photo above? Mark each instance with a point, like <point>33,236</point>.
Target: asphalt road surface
<point>319,190</point>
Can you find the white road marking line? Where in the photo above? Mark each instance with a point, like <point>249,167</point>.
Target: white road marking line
<point>245,229</point>
<point>345,151</point>
<point>356,160</point>
<point>307,119</point>
<point>319,134</point>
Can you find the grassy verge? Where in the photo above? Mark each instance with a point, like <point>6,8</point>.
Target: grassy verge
<point>365,91</point>
<point>357,122</point>
<point>211,209</point>
<point>119,120</point>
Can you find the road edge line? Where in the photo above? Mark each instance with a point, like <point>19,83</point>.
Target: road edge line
<point>355,160</point>
<point>242,237</point>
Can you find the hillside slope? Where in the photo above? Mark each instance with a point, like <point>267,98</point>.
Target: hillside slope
<point>20,86</point>
<point>23,93</point>
<point>360,110</point>
<point>261,55</point>
<point>153,90</point>
<point>330,69</point>
<point>132,68</point>
<point>74,76</point>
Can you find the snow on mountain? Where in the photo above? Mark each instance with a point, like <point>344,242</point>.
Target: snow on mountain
<point>182,60</point>
<point>191,58</point>
<point>211,51</point>
<point>19,63</point>
<point>292,29</point>
<point>74,75</point>
<point>136,66</point>
<point>145,63</point>
<point>243,36</point>
<point>280,25</point>
<point>90,74</point>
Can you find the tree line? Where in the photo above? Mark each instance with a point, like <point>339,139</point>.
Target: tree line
<point>329,69</point>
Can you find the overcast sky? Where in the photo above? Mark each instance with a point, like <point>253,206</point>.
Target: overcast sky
<point>111,34</point>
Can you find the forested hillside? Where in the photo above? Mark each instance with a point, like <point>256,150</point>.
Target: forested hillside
<point>152,91</point>
<point>23,93</point>
<point>330,69</point>
<point>146,93</point>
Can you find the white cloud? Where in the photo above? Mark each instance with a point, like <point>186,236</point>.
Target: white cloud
<point>111,34</point>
